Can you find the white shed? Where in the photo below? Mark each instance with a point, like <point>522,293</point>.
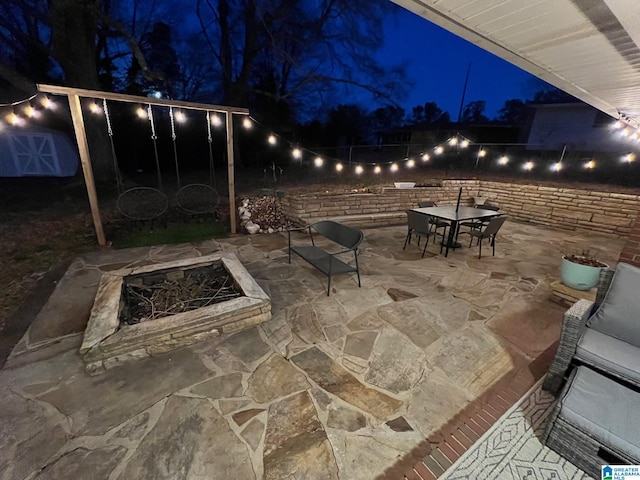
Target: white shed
<point>29,152</point>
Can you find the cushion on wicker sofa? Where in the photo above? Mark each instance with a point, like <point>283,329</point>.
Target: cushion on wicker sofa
<point>619,314</point>
<point>604,408</point>
<point>610,354</point>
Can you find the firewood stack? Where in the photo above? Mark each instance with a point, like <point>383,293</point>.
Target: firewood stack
<point>262,215</point>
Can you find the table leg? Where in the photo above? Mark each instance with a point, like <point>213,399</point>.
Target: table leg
<point>451,242</point>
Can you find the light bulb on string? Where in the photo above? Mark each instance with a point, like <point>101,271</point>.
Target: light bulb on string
<point>425,157</point>
<point>318,161</point>
<point>47,103</point>
<point>247,123</point>
<point>272,139</point>
<point>629,157</point>
<point>377,169</point>
<point>14,119</point>
<point>464,143</point>
<point>95,108</point>
<point>180,116</point>
<point>556,167</point>
<point>590,165</point>
<point>359,169</point>
<point>528,166</point>
<point>339,167</point>
<point>216,121</point>
<point>411,163</point>
<point>141,112</point>
<point>453,141</point>
<point>394,167</point>
<point>297,153</point>
<point>503,160</point>
<point>482,153</point>
<point>438,150</point>
<point>31,112</point>
<point>617,124</point>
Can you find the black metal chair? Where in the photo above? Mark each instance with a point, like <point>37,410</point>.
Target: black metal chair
<point>477,224</point>
<point>420,225</point>
<point>490,231</point>
<point>438,223</point>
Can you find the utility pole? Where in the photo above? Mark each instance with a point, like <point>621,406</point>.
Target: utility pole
<point>464,92</point>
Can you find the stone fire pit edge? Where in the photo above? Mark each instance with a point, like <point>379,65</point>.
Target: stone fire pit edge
<point>106,344</point>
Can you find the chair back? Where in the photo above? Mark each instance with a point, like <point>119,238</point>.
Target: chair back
<point>493,226</point>
<point>344,235</point>
<point>417,221</point>
<point>488,206</point>
<point>426,203</point>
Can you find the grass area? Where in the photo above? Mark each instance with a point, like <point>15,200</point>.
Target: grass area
<point>176,232</point>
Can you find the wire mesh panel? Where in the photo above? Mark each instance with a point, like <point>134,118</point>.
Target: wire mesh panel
<point>142,203</point>
<point>197,198</point>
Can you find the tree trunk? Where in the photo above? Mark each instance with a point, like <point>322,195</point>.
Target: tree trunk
<point>74,25</point>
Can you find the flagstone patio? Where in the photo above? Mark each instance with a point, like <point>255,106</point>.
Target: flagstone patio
<point>331,387</point>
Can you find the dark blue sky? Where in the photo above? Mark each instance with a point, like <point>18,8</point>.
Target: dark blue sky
<point>437,63</point>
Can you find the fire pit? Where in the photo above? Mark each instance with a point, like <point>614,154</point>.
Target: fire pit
<point>141,312</point>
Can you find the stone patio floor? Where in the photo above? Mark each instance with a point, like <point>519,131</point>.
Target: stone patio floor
<point>345,386</point>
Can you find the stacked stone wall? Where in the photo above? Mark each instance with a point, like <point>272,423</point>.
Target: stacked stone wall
<point>565,208</point>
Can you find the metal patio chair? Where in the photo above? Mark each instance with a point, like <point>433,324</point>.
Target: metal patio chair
<point>490,231</point>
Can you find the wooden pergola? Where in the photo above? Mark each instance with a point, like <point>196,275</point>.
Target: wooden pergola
<point>74,95</point>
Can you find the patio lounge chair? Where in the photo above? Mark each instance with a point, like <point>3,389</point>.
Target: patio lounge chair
<point>604,335</point>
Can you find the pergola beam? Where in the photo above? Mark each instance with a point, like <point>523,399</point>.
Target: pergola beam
<point>74,95</point>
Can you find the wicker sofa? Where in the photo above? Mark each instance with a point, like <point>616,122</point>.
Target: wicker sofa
<point>604,335</point>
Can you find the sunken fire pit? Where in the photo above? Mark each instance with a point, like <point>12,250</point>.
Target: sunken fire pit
<point>138,312</point>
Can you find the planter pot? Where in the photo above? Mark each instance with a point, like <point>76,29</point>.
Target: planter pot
<point>577,276</point>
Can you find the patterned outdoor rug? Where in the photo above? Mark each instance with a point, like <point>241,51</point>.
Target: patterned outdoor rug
<point>511,449</point>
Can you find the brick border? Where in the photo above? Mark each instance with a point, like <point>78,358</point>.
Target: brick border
<point>434,456</point>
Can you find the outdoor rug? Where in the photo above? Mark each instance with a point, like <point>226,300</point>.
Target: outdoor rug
<point>511,448</point>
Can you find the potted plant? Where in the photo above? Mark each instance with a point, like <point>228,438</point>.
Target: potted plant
<point>581,271</point>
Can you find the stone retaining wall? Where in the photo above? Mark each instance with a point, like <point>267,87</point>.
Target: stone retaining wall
<point>566,208</point>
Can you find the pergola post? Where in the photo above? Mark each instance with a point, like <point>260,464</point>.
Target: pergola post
<point>85,161</point>
<point>230,173</point>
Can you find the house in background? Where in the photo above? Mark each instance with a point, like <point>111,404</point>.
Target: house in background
<point>577,125</point>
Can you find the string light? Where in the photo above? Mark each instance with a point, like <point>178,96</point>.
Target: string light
<point>14,119</point>
<point>359,169</point>
<point>394,167</point>
<point>411,163</point>
<point>272,139</point>
<point>95,108</point>
<point>503,160</point>
<point>216,121</point>
<point>31,112</point>
<point>590,165</point>
<point>47,103</point>
<point>453,141</point>
<point>482,153</point>
<point>318,161</point>
<point>297,153</point>
<point>438,150</point>
<point>617,124</point>
<point>141,112</point>
<point>180,116</point>
<point>246,123</point>
<point>629,157</point>
<point>339,167</point>
<point>464,143</point>
<point>377,169</point>
<point>556,167</point>
<point>528,166</point>
<point>425,157</point>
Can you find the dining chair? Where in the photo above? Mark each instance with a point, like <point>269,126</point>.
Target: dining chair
<point>420,225</point>
<point>439,223</point>
<point>490,231</point>
<point>477,223</point>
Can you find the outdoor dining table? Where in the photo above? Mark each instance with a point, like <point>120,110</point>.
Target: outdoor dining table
<point>455,216</point>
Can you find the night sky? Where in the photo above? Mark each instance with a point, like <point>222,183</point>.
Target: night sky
<point>437,63</point>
